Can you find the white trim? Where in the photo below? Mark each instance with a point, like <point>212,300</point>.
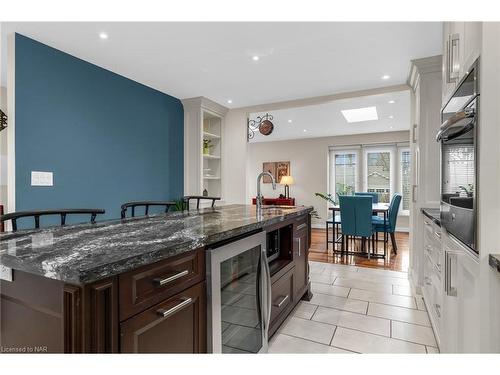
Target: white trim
<point>11,128</point>
<point>391,148</point>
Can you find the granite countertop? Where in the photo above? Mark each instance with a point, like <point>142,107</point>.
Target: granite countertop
<point>495,261</point>
<point>84,253</point>
<point>433,214</point>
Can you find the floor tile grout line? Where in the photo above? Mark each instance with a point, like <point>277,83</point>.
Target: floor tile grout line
<point>342,326</point>
<point>392,338</point>
<point>302,338</point>
<point>371,333</point>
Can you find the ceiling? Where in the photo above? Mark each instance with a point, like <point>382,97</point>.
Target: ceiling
<point>215,60</point>
<point>325,120</point>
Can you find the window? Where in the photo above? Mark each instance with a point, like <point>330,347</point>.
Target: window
<point>378,173</point>
<point>405,173</point>
<point>344,171</point>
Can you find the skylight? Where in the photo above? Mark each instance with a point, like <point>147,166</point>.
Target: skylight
<point>360,114</point>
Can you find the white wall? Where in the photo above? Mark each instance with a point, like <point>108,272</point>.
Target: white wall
<point>308,166</point>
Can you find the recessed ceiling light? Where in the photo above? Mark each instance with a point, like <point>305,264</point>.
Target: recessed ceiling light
<point>229,101</point>
<point>391,116</point>
<point>385,76</point>
<point>360,114</point>
<point>103,35</point>
<point>289,121</point>
<point>255,58</point>
<point>391,101</point>
<point>305,130</point>
<point>390,127</point>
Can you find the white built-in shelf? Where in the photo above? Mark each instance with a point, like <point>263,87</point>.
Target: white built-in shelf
<point>210,135</point>
<point>205,156</point>
<point>211,178</point>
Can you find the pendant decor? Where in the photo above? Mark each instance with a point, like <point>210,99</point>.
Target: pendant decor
<point>262,124</point>
<point>3,120</point>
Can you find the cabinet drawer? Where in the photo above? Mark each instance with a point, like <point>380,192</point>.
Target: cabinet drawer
<point>148,285</point>
<point>301,224</point>
<point>176,325</point>
<point>282,294</point>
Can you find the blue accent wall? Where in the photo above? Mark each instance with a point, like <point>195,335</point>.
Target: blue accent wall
<point>106,138</point>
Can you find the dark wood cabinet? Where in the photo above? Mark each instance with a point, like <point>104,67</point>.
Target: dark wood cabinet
<point>176,325</point>
<point>300,255</point>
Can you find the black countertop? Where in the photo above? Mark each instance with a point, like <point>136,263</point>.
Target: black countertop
<point>84,253</point>
<point>495,261</point>
<point>433,214</point>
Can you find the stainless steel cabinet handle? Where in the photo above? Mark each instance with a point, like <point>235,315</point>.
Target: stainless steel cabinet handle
<point>161,282</point>
<point>303,225</point>
<point>278,305</point>
<point>166,313</point>
<point>438,310</point>
<point>299,246</point>
<point>268,299</point>
<point>414,135</point>
<point>413,193</point>
<point>448,288</point>
<point>437,234</point>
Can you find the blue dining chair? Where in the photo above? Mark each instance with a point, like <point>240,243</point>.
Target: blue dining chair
<point>390,226</point>
<point>356,214</point>
<point>373,195</point>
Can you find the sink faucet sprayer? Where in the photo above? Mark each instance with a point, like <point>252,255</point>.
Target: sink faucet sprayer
<point>259,195</point>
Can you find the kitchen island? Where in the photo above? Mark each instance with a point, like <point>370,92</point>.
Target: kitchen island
<point>100,287</point>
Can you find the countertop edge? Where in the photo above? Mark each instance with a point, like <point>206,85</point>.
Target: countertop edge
<point>81,278</point>
<point>427,213</point>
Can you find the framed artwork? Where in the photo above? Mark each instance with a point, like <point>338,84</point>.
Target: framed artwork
<point>277,168</point>
<point>282,169</point>
<point>271,168</point>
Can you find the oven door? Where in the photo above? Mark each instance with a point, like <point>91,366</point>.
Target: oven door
<point>459,174</point>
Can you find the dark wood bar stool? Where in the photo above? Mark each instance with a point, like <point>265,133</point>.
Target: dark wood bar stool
<point>198,198</point>
<point>93,212</point>
<point>146,205</point>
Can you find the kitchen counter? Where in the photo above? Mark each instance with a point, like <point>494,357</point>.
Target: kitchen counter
<point>495,261</point>
<point>84,253</point>
<point>433,214</point>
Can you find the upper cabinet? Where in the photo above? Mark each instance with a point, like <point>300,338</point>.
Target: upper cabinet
<point>461,47</point>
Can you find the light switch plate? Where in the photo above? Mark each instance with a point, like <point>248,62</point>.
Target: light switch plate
<point>42,178</point>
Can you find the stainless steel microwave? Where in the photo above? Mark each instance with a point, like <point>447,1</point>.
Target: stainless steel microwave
<point>459,164</point>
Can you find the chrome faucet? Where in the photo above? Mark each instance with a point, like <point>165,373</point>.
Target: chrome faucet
<point>259,195</point>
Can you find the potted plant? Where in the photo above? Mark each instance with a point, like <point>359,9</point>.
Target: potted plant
<point>207,145</point>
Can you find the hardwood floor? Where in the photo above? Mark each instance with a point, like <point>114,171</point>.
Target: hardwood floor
<point>399,262</point>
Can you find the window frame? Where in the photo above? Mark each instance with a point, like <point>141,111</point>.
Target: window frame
<point>392,165</point>
<point>402,149</point>
<point>332,169</point>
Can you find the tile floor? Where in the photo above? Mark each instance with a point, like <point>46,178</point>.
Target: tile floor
<point>357,310</point>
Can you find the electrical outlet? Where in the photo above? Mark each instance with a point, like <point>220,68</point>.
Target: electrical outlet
<point>42,178</point>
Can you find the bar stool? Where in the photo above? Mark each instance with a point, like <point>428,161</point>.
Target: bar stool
<point>145,204</point>
<point>63,212</point>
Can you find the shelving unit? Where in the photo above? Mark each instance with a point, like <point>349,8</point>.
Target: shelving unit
<point>203,120</point>
<point>212,132</point>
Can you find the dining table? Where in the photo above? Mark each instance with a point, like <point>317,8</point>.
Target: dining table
<point>377,208</point>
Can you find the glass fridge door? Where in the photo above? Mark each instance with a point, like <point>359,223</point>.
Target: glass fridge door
<point>237,294</point>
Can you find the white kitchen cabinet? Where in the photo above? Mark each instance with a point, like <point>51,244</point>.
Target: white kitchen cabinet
<point>461,47</point>
<point>462,302</point>
<point>433,282</point>
<point>425,81</point>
